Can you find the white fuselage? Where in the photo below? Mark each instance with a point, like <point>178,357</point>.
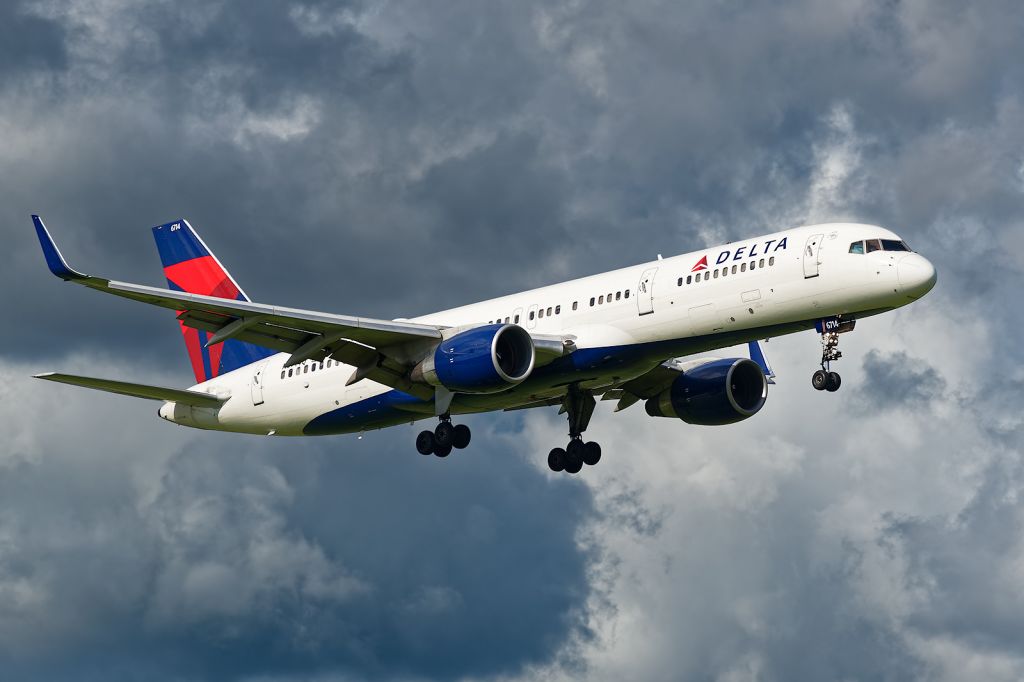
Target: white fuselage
<point>623,323</point>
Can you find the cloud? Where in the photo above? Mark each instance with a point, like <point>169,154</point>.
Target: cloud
<point>389,159</point>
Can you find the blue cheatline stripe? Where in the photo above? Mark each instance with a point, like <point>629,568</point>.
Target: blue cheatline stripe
<point>177,245</point>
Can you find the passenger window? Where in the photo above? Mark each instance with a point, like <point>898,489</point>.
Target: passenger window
<point>549,311</point>
<point>771,261</point>
<point>707,275</point>
<point>289,371</point>
<point>531,314</point>
<point>591,301</point>
<point>725,271</point>
<point>753,264</point>
<point>734,269</point>
<point>627,293</point>
<point>760,263</point>
<point>716,273</point>
<point>558,310</point>
<point>857,247</point>
<point>574,305</point>
<point>506,320</point>
<point>689,279</point>
<point>609,298</point>
<point>872,245</point>
<point>313,368</point>
<point>618,295</point>
<point>680,282</point>
<point>893,245</point>
<point>743,267</point>
<point>282,374</point>
<point>305,369</point>
<point>600,299</point>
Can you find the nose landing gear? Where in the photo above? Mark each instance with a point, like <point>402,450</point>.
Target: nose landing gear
<point>443,438</point>
<point>824,379</point>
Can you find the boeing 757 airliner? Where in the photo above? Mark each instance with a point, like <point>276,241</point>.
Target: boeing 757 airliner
<point>627,335</point>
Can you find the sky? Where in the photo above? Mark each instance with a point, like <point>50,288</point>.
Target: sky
<point>393,158</point>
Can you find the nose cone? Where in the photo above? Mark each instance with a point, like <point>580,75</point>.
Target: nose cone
<point>916,275</point>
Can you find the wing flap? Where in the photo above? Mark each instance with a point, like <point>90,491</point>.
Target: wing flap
<point>193,398</point>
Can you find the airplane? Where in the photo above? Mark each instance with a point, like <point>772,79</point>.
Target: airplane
<point>628,335</point>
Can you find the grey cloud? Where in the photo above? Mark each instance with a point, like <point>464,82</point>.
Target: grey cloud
<point>898,380</point>
<point>390,158</point>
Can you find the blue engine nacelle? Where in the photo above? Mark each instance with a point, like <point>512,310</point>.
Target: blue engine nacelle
<point>486,359</point>
<point>717,392</point>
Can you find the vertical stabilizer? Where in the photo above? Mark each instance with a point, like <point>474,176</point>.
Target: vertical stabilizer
<point>191,267</point>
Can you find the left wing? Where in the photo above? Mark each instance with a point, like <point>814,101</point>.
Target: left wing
<point>377,348</point>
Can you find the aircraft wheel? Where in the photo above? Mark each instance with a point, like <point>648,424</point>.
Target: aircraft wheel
<point>444,435</point>
<point>819,380</point>
<point>461,437</point>
<point>591,453</point>
<point>834,382</point>
<point>425,443</point>
<point>574,456</point>
<point>442,450</point>
<point>556,459</point>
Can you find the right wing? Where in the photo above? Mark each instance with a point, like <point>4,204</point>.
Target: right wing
<point>374,347</point>
<point>194,398</point>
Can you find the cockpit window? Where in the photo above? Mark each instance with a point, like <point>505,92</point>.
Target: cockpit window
<point>894,245</point>
<point>857,247</point>
<point>873,245</point>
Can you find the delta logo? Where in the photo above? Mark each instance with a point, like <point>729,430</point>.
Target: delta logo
<point>748,251</point>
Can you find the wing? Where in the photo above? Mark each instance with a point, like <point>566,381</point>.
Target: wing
<point>194,398</point>
<point>376,347</point>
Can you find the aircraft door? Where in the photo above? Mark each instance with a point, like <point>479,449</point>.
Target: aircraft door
<point>812,255</point>
<point>256,386</point>
<point>645,292</point>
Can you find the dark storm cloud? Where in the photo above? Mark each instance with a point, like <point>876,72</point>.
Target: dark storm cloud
<point>248,562</point>
<point>898,380</point>
<point>393,158</point>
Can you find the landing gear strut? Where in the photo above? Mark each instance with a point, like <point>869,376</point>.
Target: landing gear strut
<point>580,407</point>
<point>824,379</point>
<point>443,438</point>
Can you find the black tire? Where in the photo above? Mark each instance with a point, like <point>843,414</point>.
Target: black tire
<point>444,435</point>
<point>425,443</point>
<point>462,436</point>
<point>591,453</point>
<point>834,382</point>
<point>442,450</point>
<point>819,380</point>
<point>574,456</point>
<point>556,460</point>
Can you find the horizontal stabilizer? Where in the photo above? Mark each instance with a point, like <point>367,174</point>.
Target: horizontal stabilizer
<point>193,398</point>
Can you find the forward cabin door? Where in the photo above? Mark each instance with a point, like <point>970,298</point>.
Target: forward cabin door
<point>645,292</point>
<point>256,386</point>
<point>812,251</point>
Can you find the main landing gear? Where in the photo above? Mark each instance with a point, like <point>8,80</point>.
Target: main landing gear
<point>580,407</point>
<point>443,438</point>
<point>824,379</point>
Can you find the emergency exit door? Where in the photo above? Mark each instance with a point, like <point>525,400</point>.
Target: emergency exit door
<point>812,253</point>
<point>645,292</point>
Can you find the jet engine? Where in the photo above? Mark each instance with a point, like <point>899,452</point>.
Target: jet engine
<point>714,393</point>
<point>486,359</point>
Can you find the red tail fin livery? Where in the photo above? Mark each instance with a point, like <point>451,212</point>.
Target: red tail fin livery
<point>191,267</point>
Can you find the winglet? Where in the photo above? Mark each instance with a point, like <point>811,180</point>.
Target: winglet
<point>54,260</point>
<point>757,355</point>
